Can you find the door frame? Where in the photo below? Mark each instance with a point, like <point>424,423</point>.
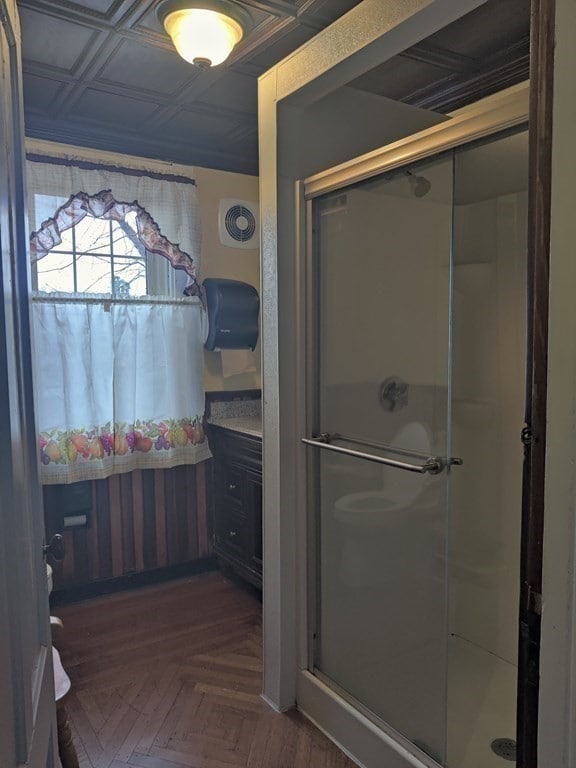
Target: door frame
<point>534,434</point>
<point>320,67</point>
<point>554,518</point>
<point>301,131</point>
<point>28,733</point>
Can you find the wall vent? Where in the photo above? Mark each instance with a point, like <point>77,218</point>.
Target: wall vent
<point>238,223</point>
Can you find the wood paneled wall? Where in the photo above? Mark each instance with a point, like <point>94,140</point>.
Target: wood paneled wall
<point>140,521</point>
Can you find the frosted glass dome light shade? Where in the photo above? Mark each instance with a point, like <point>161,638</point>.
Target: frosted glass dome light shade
<point>203,36</point>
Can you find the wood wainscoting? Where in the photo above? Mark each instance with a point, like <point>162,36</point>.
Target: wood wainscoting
<point>139,522</point>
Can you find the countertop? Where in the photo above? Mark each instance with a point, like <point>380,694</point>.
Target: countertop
<point>249,425</point>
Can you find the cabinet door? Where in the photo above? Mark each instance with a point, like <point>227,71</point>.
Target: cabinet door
<point>230,521</point>
<point>231,532</point>
<point>231,481</point>
<point>254,510</point>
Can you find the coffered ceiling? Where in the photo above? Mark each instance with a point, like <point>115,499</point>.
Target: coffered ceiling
<point>103,74</point>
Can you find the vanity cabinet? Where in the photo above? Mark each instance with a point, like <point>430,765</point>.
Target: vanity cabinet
<point>237,501</point>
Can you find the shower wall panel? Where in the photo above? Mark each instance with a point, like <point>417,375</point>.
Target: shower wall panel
<point>376,237</point>
<point>489,354</point>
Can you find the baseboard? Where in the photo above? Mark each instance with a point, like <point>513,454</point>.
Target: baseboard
<point>271,704</point>
<point>131,581</point>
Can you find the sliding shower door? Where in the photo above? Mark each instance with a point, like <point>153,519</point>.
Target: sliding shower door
<point>379,445</point>
<point>416,386</point>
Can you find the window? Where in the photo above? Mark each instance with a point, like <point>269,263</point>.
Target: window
<point>118,330</point>
<point>103,256</point>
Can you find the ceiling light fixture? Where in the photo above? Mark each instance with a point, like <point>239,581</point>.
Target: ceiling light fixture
<point>205,32</point>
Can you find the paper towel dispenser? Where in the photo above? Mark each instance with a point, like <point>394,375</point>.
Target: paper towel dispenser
<point>233,309</point>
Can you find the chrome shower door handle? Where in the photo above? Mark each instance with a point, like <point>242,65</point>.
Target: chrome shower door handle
<point>432,465</point>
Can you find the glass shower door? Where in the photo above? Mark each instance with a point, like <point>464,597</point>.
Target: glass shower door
<point>380,435</point>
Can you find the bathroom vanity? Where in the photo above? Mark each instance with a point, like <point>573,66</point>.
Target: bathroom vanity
<point>236,444</point>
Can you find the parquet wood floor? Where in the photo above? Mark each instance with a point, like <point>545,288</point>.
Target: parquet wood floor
<point>170,676</point>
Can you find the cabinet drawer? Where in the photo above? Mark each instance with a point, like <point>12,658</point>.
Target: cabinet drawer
<point>237,502</point>
<point>231,531</point>
<point>231,482</point>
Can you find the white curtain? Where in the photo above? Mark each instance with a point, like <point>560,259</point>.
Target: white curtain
<point>119,384</point>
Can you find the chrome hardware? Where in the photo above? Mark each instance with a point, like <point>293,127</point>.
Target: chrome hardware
<point>393,393</point>
<point>56,548</point>
<point>232,534</point>
<point>231,487</point>
<point>526,436</point>
<point>432,465</point>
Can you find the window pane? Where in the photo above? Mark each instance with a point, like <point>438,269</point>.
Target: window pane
<point>129,277</point>
<point>160,275</point>
<point>67,243</point>
<point>93,274</point>
<point>125,239</point>
<point>93,235</point>
<point>55,273</point>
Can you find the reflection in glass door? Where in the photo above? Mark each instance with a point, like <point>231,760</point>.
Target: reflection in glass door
<point>418,354</point>
<point>383,296</point>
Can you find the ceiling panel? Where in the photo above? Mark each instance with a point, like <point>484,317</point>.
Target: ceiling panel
<point>142,66</point>
<point>481,53</point>
<point>206,129</point>
<point>236,91</point>
<point>106,74</point>
<point>281,46</point>
<point>398,77</point>
<point>248,146</point>
<point>53,41</point>
<point>110,108</point>
<point>492,27</point>
<point>40,92</point>
<point>327,11</point>
<point>104,7</point>
<point>149,23</point>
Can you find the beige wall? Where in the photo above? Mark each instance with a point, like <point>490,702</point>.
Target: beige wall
<point>218,260</point>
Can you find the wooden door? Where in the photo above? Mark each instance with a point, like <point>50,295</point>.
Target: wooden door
<point>27,709</point>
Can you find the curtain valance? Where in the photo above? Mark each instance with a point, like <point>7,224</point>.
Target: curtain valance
<point>103,205</point>
<point>173,204</point>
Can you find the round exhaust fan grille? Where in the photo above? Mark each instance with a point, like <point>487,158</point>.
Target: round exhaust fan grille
<point>240,223</point>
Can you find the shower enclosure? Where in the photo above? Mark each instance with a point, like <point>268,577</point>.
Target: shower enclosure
<point>416,361</point>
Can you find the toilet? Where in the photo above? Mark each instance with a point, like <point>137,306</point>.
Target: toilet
<point>378,526</point>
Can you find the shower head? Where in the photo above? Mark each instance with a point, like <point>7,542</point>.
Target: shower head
<point>420,184</point>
